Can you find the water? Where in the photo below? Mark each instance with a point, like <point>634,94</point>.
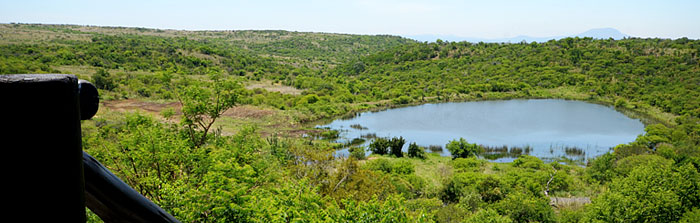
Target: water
<point>551,128</point>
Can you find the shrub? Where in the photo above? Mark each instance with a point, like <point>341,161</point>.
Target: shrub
<point>490,189</point>
<point>601,168</point>
<point>357,152</point>
<point>426,204</point>
<point>459,185</point>
<point>521,207</point>
<point>626,165</point>
<point>654,193</point>
<point>103,80</point>
<point>622,151</point>
<point>462,149</point>
<point>451,213</point>
<point>467,164</point>
<point>379,146</point>
<point>395,145</point>
<point>411,186</point>
<point>415,151</point>
<point>530,162</point>
<point>487,216</point>
<point>402,166</point>
<point>403,99</point>
<point>620,103</point>
<point>379,165</point>
<point>330,134</point>
<point>691,216</point>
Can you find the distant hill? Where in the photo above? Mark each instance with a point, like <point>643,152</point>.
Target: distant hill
<point>600,33</point>
<point>312,49</point>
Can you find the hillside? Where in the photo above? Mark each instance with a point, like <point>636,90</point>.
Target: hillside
<point>298,49</point>
<point>642,72</point>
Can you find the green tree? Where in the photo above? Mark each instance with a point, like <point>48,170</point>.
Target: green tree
<point>415,151</point>
<point>462,149</point>
<point>379,146</point>
<point>649,194</point>
<point>103,80</point>
<point>487,216</point>
<point>203,103</point>
<point>395,146</point>
<point>521,207</point>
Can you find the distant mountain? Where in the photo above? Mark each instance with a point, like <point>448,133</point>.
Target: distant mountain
<point>600,33</point>
<point>603,33</point>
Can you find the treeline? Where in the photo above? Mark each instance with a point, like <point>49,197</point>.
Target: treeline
<point>136,53</point>
<point>640,72</point>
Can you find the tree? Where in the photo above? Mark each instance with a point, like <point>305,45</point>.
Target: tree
<point>649,194</point>
<point>395,146</point>
<point>379,146</point>
<point>415,151</point>
<point>521,207</point>
<point>487,216</point>
<point>203,103</point>
<point>462,149</point>
<point>102,80</point>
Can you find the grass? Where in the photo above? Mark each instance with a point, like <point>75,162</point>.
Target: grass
<point>434,169</point>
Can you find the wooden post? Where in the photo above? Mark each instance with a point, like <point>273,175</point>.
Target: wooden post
<point>41,148</point>
<point>47,174</point>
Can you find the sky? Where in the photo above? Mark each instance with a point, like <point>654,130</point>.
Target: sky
<point>482,19</point>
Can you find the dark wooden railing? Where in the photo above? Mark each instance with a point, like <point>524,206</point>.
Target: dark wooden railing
<point>48,178</point>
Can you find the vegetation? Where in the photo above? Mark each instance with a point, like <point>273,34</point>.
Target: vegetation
<point>462,149</point>
<point>209,144</point>
<point>415,151</point>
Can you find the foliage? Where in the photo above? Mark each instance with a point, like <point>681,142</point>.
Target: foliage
<point>395,146</point>
<point>523,208</point>
<point>380,146</point>
<point>490,189</point>
<point>357,152</point>
<point>530,162</point>
<point>202,105</point>
<point>627,164</point>
<point>649,193</point>
<point>462,149</point>
<point>102,80</point>
<point>487,216</point>
<point>467,164</point>
<point>398,167</point>
<point>601,168</point>
<point>390,210</point>
<point>415,151</point>
<point>691,216</point>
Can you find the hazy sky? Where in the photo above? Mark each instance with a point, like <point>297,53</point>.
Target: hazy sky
<point>484,19</point>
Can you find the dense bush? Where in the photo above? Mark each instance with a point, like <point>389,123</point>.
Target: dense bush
<point>380,146</point>
<point>395,146</point>
<point>462,149</point>
<point>523,208</point>
<point>649,193</point>
<point>357,152</point>
<point>468,164</point>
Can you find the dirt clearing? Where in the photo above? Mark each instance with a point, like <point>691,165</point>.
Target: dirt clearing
<point>272,87</point>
